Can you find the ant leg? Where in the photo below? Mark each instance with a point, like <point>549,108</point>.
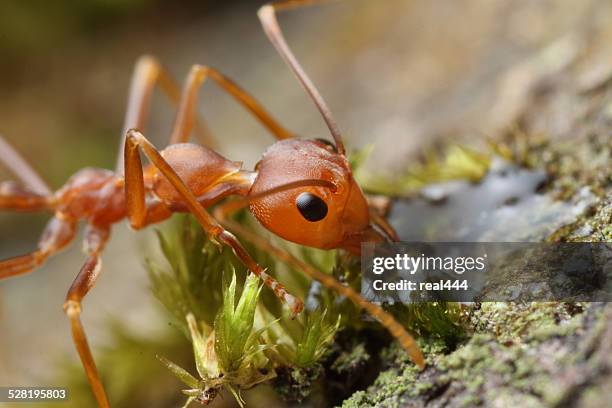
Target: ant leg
<point>95,240</point>
<point>21,169</point>
<point>379,207</point>
<point>58,233</point>
<point>137,211</point>
<point>197,77</point>
<point>398,331</point>
<point>16,197</point>
<point>382,223</point>
<point>147,73</point>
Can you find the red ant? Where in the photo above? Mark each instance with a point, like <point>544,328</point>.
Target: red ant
<point>301,190</point>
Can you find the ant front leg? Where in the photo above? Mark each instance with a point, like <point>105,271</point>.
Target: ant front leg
<point>137,210</point>
<point>398,331</point>
<point>95,239</point>
<point>382,223</point>
<point>197,77</point>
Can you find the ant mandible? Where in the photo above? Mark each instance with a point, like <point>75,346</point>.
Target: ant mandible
<point>301,190</point>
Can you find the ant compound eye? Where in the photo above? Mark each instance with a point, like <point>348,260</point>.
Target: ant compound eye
<point>328,145</point>
<point>311,207</point>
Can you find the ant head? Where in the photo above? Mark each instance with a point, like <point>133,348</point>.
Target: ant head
<point>311,214</point>
<point>321,205</point>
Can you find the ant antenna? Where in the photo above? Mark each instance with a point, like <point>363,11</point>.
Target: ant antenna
<point>267,16</point>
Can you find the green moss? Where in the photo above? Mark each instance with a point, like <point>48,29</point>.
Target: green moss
<point>357,400</point>
<point>351,359</point>
<point>294,384</point>
<point>402,380</point>
<point>456,162</point>
<point>390,386</point>
<point>518,365</point>
<point>534,321</point>
<point>470,401</point>
<point>593,226</point>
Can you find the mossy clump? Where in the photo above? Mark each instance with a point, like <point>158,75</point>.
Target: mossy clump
<point>294,384</point>
<point>254,340</point>
<point>237,342</point>
<point>446,321</point>
<point>453,163</point>
<point>400,379</point>
<point>509,321</point>
<point>349,360</point>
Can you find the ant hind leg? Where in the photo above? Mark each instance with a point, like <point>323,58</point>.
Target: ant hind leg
<point>16,197</point>
<point>32,194</point>
<point>20,168</point>
<point>58,233</point>
<point>95,239</point>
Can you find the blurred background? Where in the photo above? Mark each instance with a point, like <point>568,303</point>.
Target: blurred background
<point>400,75</point>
